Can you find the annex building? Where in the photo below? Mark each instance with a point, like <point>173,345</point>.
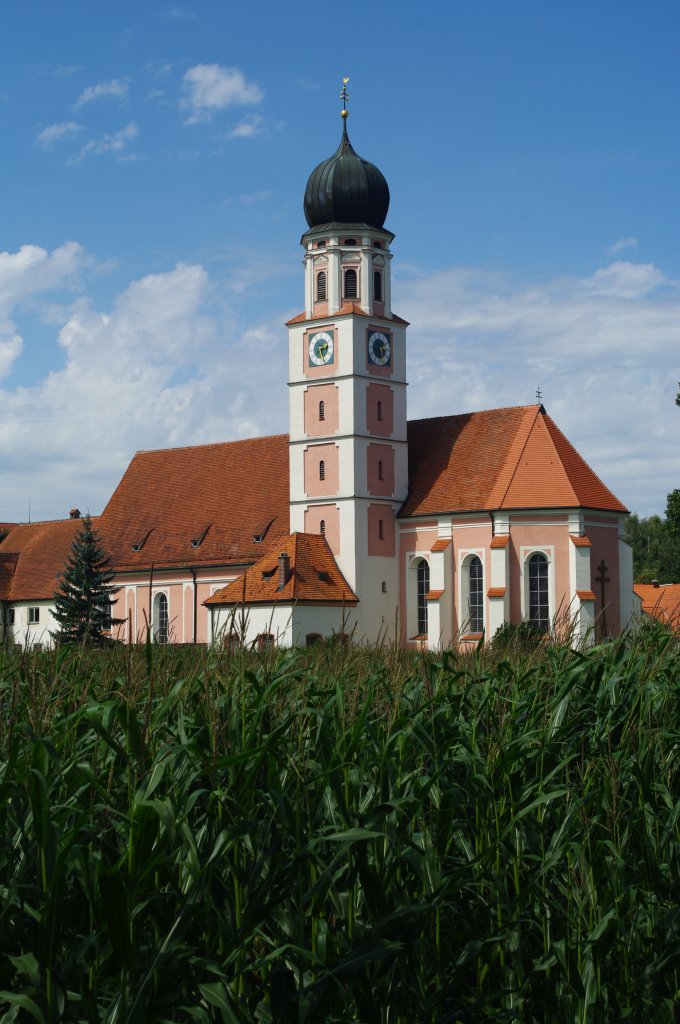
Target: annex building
<point>358,522</point>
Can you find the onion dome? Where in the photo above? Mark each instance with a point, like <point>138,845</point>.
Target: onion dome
<point>346,189</point>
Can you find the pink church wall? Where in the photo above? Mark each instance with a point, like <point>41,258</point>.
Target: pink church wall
<point>331,517</point>
<point>380,393</point>
<point>188,624</point>
<point>378,545</point>
<point>329,455</point>
<point>605,541</point>
<point>328,394</point>
<point>377,455</point>
<point>411,540</point>
<point>474,535</point>
<point>541,533</point>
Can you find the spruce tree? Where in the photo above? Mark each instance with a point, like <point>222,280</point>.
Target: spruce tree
<point>83,600</point>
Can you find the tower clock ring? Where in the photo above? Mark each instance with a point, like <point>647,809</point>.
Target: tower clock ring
<point>379,348</point>
<point>321,348</point>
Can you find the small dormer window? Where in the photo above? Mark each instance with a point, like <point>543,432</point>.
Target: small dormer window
<point>324,577</point>
<point>350,241</point>
<point>322,410</point>
<point>321,245</point>
<point>321,286</point>
<point>377,286</point>
<point>322,470</point>
<point>350,284</point>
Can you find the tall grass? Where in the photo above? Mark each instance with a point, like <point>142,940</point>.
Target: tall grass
<point>341,835</point>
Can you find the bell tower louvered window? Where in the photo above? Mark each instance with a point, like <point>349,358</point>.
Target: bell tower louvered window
<point>350,284</point>
<point>321,292</point>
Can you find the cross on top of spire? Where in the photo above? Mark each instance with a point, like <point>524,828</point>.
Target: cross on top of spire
<point>344,96</point>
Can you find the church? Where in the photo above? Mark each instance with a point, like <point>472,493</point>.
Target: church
<point>358,523</point>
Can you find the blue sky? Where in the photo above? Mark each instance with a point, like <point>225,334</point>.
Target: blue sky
<point>155,158</point>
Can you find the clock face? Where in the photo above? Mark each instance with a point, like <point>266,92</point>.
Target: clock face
<point>321,348</point>
<point>379,349</point>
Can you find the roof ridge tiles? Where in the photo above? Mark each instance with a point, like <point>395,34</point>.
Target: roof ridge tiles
<point>210,444</point>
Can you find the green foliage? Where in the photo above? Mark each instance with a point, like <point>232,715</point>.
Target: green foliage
<point>339,835</point>
<point>656,550</point>
<point>517,638</point>
<point>3,534</point>
<point>83,600</point>
<point>673,513</point>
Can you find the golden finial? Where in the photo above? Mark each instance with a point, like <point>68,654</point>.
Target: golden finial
<point>344,97</point>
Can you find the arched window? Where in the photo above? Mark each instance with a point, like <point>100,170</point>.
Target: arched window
<point>539,610</point>
<point>321,286</point>
<point>423,591</point>
<point>350,284</point>
<point>322,527</point>
<point>379,409</point>
<point>322,410</point>
<point>380,470</point>
<point>350,241</point>
<point>322,470</point>
<point>377,286</point>
<point>475,595</point>
<point>160,619</point>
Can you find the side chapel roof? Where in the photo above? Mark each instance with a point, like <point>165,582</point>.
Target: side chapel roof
<point>510,458</point>
<point>313,575</point>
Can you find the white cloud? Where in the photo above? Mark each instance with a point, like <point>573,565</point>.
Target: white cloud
<point>247,128</point>
<point>54,133</point>
<point>627,280</point>
<point>604,352</point>
<point>623,243</point>
<point>169,362</point>
<point>11,346</point>
<point>114,143</point>
<point>211,87</point>
<point>116,87</point>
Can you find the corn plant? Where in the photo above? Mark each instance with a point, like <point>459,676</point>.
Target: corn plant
<point>341,834</point>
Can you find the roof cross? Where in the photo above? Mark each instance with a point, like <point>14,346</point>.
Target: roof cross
<point>539,396</point>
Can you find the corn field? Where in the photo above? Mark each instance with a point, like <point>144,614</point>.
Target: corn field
<point>340,835</point>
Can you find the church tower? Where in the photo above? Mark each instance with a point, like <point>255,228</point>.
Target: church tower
<point>347,379</point>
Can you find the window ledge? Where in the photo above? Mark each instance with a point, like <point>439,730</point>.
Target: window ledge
<point>472,636</point>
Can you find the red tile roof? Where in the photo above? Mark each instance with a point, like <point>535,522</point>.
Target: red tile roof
<point>33,556</point>
<point>663,602</point>
<point>6,527</point>
<point>580,542</point>
<point>313,576</point>
<point>585,595</point>
<point>218,496</point>
<point>499,459</point>
<point>442,544</point>
<point>347,308</point>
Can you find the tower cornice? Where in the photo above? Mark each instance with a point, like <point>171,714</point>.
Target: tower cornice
<point>346,310</point>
